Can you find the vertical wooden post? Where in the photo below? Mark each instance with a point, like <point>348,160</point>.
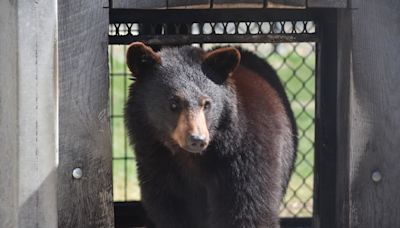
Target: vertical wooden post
<point>8,115</point>
<point>28,114</point>
<point>325,121</point>
<point>369,120</point>
<point>84,125</point>
<point>344,49</point>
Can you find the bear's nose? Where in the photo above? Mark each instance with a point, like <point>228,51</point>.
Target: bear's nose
<point>196,142</point>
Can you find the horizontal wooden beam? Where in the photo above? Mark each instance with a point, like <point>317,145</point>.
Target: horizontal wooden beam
<point>183,4</point>
<point>188,39</point>
<point>215,15</point>
<point>223,4</point>
<point>139,4</point>
<point>286,4</point>
<point>132,214</point>
<point>327,3</point>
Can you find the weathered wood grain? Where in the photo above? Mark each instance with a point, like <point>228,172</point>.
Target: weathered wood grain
<point>369,104</point>
<point>238,4</point>
<point>344,48</point>
<point>84,135</point>
<point>140,4</point>
<point>189,4</point>
<point>325,122</point>
<point>199,4</point>
<point>286,3</point>
<point>28,114</point>
<point>8,115</point>
<point>374,116</point>
<point>327,3</point>
<point>37,113</point>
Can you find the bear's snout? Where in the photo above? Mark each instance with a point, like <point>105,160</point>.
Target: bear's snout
<point>191,132</point>
<point>196,143</point>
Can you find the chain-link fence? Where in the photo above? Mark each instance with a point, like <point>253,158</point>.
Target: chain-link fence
<point>294,63</point>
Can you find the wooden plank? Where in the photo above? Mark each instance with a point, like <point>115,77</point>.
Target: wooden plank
<point>327,3</point>
<point>344,48</point>
<point>374,116</point>
<point>132,214</point>
<point>84,135</point>
<point>237,4</point>
<point>37,113</point>
<point>325,124</point>
<point>286,4</point>
<point>188,39</point>
<point>371,123</point>
<point>8,115</point>
<point>203,15</point>
<point>140,4</point>
<point>162,4</point>
<point>28,114</point>
<point>186,4</point>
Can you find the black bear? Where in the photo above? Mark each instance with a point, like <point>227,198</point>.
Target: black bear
<point>214,137</point>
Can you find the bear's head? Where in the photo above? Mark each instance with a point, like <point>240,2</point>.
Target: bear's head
<point>183,92</point>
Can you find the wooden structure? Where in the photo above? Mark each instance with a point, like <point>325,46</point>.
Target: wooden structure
<point>53,118</point>
<point>218,4</point>
<point>54,99</point>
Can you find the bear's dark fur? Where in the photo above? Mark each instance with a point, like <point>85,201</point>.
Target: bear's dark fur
<point>237,176</point>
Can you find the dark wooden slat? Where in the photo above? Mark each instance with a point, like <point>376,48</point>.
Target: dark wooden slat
<point>162,4</point>
<point>132,214</point>
<point>188,39</point>
<point>218,15</point>
<point>84,132</point>
<point>344,47</point>
<point>325,123</point>
<point>286,3</point>
<point>238,4</point>
<point>327,3</point>
<point>140,4</point>
<point>374,114</point>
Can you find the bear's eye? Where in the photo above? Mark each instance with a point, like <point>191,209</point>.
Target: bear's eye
<point>207,105</point>
<point>174,105</point>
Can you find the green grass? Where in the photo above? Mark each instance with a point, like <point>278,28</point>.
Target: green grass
<point>296,70</point>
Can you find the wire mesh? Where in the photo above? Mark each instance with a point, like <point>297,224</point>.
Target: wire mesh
<point>216,28</point>
<point>295,65</point>
<point>165,27</point>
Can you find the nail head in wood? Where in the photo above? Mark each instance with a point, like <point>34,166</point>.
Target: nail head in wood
<point>77,173</point>
<point>376,176</point>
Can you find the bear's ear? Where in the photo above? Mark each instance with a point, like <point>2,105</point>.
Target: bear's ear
<point>222,61</point>
<point>140,57</point>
